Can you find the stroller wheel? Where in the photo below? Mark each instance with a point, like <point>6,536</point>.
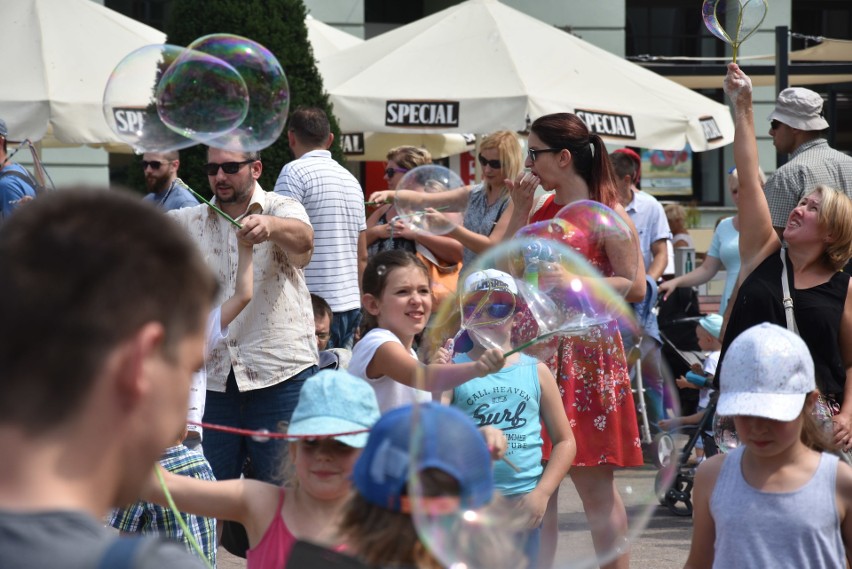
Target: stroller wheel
<point>680,493</point>
<point>662,449</point>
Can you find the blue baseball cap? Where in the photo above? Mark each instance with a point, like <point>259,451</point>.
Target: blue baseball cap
<point>713,324</point>
<point>335,401</point>
<point>449,441</point>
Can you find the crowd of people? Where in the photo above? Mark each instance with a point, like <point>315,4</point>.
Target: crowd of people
<point>305,318</point>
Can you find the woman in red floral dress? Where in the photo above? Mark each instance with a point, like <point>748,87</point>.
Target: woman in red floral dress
<point>592,369</point>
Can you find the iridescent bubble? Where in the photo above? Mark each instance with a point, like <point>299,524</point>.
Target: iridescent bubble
<point>130,99</point>
<point>741,17</point>
<point>261,436</point>
<point>381,270</point>
<point>201,96</point>
<point>431,199</point>
<point>725,433</point>
<point>268,91</point>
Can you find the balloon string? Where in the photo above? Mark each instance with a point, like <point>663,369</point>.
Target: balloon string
<point>216,209</point>
<point>268,435</point>
<point>177,513</point>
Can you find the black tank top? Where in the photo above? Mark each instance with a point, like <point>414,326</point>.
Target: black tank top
<point>818,311</point>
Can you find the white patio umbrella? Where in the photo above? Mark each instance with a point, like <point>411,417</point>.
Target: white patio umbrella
<point>327,41</point>
<point>64,53</point>
<point>480,66</point>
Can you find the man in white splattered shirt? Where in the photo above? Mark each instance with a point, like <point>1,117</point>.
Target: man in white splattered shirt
<point>254,377</point>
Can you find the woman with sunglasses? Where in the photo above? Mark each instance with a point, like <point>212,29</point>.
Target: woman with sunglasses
<point>591,370</point>
<point>385,234</point>
<point>486,206</point>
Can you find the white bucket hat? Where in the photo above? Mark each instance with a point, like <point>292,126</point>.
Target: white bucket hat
<point>767,372</point>
<point>799,108</point>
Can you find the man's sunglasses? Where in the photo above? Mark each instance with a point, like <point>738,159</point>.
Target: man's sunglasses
<point>153,164</point>
<point>533,152</point>
<point>494,164</point>
<point>389,172</point>
<point>775,125</point>
<point>212,168</point>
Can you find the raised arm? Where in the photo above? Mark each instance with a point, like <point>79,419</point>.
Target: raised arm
<point>757,237</point>
<point>243,286</point>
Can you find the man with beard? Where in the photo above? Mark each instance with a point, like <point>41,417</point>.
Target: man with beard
<point>255,375</point>
<point>167,190</point>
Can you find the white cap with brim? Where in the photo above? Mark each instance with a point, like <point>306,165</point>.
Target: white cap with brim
<point>799,108</point>
<point>767,372</point>
<point>490,279</point>
<point>334,402</point>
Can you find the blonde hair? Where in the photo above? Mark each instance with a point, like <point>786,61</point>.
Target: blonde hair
<point>509,149</point>
<point>835,215</point>
<point>675,213</point>
<point>409,157</point>
<point>734,178</point>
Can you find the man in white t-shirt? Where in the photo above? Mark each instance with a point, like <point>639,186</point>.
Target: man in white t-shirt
<point>334,201</point>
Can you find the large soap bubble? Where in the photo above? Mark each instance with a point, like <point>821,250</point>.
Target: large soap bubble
<point>201,97</point>
<point>430,199</point>
<point>130,103</point>
<point>573,308</point>
<point>267,86</point>
<point>743,17</point>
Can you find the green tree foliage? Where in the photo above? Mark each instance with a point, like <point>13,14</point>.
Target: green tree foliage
<point>280,26</point>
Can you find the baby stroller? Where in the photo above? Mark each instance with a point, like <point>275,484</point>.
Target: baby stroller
<point>674,481</point>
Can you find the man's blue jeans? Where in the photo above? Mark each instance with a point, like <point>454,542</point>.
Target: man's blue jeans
<point>343,328</point>
<point>268,408</point>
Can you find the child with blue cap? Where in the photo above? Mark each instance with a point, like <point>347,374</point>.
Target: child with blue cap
<point>329,428</point>
<point>455,476</point>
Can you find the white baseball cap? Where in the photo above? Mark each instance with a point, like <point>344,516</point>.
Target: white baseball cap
<point>767,372</point>
<point>490,279</point>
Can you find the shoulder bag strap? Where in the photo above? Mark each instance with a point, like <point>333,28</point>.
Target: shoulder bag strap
<point>787,298</point>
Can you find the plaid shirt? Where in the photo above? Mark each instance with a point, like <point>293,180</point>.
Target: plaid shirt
<point>151,519</point>
<point>811,164</point>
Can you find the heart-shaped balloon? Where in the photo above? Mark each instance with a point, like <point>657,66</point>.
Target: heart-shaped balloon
<point>743,16</point>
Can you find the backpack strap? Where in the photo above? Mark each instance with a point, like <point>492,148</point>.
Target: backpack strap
<point>121,553</point>
<point>25,176</point>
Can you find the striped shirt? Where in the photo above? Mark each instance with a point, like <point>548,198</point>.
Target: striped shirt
<point>335,204</point>
<point>151,519</point>
<point>811,164</point>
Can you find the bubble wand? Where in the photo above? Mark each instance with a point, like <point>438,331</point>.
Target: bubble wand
<point>235,223</point>
<point>179,517</point>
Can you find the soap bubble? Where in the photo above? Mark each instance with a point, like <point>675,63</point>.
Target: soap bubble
<point>261,436</point>
<point>430,199</point>
<point>267,86</point>
<point>201,96</point>
<point>742,17</point>
<point>130,105</point>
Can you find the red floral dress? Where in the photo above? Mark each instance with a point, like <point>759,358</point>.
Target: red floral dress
<point>591,372</point>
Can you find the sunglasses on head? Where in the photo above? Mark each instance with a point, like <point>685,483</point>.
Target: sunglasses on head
<point>494,164</point>
<point>389,172</point>
<point>533,152</point>
<point>212,168</point>
<point>153,164</point>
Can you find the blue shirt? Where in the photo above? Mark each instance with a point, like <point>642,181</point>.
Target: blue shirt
<point>176,197</point>
<point>12,189</point>
<point>649,217</point>
<point>726,247</point>
<point>508,400</point>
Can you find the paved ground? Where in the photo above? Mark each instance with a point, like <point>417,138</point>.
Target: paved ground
<point>663,544</point>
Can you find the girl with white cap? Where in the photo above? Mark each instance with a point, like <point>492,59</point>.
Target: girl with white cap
<point>777,500</point>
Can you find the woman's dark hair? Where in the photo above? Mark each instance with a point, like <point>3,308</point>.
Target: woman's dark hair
<point>379,267</point>
<point>591,160</point>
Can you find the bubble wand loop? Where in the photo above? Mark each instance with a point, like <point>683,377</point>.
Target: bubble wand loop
<point>235,223</point>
